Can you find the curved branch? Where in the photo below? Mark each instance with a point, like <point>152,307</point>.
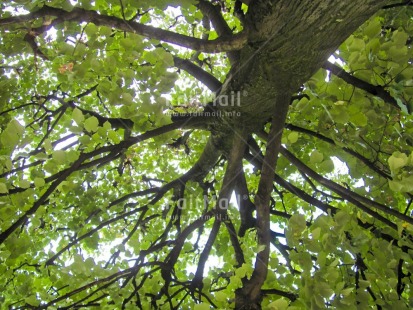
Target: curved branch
<point>352,197</point>
<point>200,168</point>
<point>375,90</point>
<point>223,44</point>
<point>180,240</point>
<point>251,292</point>
<point>213,12</point>
<point>197,280</point>
<point>231,174</point>
<point>326,208</point>
<point>360,157</point>
<point>197,72</point>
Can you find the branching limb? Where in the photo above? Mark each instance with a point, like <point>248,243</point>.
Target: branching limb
<point>51,260</point>
<point>235,42</point>
<point>239,254</point>
<point>197,280</point>
<point>213,12</point>
<point>375,90</point>
<point>251,292</point>
<point>326,208</point>
<point>172,258</point>
<point>197,72</point>
<point>201,168</point>
<point>7,232</point>
<point>360,157</point>
<point>352,197</point>
<point>30,38</point>
<point>231,174</point>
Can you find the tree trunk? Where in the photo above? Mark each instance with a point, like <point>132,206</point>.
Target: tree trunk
<point>287,42</point>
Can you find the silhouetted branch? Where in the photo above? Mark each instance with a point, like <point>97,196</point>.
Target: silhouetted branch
<point>375,90</point>
<point>234,42</point>
<point>197,72</point>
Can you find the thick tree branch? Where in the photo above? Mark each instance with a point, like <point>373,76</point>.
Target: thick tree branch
<point>246,206</point>
<point>251,291</point>
<point>231,174</point>
<point>235,42</point>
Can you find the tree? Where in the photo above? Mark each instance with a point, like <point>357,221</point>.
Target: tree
<point>194,154</point>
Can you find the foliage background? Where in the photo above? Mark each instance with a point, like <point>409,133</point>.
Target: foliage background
<point>99,202</point>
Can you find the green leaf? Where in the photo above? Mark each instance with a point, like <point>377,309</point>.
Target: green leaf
<point>340,114</point>
<point>404,185</point>
<point>202,306</point>
<point>77,116</point>
<point>316,157</point>
<point>11,136</point>
<point>297,223</point>
<point>316,233</point>
<point>220,296</point>
<point>279,304</point>
<point>3,188</point>
<point>91,124</point>
<point>24,184</point>
<point>400,37</point>
<point>126,98</point>
<point>347,291</point>
<point>326,166</point>
<point>293,137</point>
<point>32,301</point>
<point>261,248</point>
<point>59,156</point>
<point>359,119</point>
<point>397,160</point>
<point>39,182</point>
<point>48,145</point>
<point>373,28</point>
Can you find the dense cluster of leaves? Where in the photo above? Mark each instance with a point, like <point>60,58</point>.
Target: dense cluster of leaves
<point>99,204</point>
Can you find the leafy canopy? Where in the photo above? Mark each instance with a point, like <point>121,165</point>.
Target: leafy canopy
<point>108,199</point>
